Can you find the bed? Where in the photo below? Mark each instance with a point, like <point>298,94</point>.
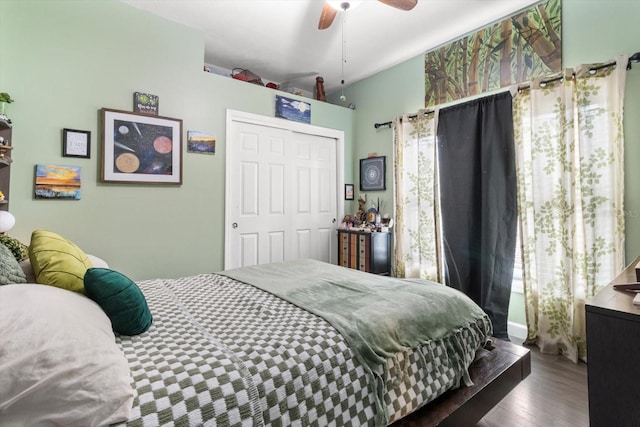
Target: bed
<point>266,345</point>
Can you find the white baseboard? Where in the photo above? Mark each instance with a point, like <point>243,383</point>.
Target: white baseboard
<point>517,330</point>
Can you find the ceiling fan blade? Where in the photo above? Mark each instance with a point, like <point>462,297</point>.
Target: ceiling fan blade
<point>327,16</point>
<point>400,4</point>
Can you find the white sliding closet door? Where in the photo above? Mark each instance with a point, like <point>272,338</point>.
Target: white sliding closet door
<point>282,193</point>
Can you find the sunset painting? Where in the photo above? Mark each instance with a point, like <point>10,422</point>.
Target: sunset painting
<point>57,182</point>
<point>198,142</point>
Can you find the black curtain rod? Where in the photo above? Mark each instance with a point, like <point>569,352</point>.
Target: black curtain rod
<point>412,116</point>
<point>633,58</point>
<point>591,70</point>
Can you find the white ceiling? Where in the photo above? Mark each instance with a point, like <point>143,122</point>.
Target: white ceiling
<point>279,39</point>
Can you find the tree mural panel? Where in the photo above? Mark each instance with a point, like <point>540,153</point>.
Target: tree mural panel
<point>515,50</point>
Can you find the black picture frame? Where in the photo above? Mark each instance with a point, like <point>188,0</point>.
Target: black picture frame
<point>373,174</point>
<point>76,143</point>
<point>349,191</point>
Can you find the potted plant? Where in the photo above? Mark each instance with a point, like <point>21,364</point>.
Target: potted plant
<point>5,100</point>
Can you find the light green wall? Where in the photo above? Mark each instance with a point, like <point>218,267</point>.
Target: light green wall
<point>378,99</point>
<point>63,60</point>
<point>592,31</point>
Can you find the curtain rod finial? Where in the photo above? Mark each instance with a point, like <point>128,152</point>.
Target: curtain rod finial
<point>633,58</point>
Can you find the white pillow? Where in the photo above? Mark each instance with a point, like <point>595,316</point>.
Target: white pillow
<point>59,362</point>
<point>97,262</point>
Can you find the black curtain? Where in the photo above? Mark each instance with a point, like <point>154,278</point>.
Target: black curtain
<point>478,202</point>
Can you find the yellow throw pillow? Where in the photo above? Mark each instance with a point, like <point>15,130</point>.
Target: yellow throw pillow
<point>56,261</point>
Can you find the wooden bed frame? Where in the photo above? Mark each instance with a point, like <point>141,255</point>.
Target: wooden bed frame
<point>497,369</point>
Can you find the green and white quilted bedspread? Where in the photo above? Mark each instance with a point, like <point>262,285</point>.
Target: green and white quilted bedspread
<point>224,353</point>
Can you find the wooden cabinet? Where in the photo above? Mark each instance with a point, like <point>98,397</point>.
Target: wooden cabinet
<point>613,353</point>
<point>5,162</point>
<point>365,251</point>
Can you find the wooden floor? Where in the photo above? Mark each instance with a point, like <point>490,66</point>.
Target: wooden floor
<point>554,395</point>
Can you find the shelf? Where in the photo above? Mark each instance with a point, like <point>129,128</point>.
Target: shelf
<point>5,160</point>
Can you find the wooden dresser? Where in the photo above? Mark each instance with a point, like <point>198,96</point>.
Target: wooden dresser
<point>365,251</point>
<point>613,355</point>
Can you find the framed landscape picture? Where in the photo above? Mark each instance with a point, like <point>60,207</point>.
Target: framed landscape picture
<point>58,182</point>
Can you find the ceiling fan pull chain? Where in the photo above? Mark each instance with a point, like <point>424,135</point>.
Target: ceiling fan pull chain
<point>345,6</point>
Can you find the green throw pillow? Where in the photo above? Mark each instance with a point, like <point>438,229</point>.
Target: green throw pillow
<point>10,270</point>
<point>120,298</point>
<point>19,249</point>
<point>56,261</point>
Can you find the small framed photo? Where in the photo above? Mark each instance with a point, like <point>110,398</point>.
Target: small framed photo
<point>199,142</point>
<point>76,143</point>
<point>348,191</point>
<point>293,109</point>
<point>145,103</point>
<point>372,174</point>
<point>140,148</point>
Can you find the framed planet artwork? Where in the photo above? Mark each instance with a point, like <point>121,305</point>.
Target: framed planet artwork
<point>140,149</point>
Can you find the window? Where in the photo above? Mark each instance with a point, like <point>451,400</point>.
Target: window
<point>517,285</point>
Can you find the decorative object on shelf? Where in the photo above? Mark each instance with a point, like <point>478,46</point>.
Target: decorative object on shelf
<point>348,191</point>
<point>371,216</point>
<point>145,103</point>
<point>360,216</point>
<point>372,174</point>
<point>246,76</point>
<point>5,155</point>
<point>58,182</point>
<point>293,109</point>
<point>140,149</point>
<point>199,142</point>
<point>347,223</point>
<point>320,95</point>
<point>76,143</point>
<point>5,100</point>
<point>7,221</point>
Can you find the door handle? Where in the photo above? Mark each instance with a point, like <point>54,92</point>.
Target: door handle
<point>333,221</point>
<point>234,225</point>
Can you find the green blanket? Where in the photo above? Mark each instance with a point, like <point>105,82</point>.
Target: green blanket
<point>378,316</point>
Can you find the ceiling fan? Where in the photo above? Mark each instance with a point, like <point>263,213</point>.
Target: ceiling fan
<point>330,9</point>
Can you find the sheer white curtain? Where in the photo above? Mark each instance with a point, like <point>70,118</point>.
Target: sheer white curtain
<point>416,212</point>
<point>570,167</point>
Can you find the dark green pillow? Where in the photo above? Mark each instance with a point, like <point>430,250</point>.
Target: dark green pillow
<point>120,298</point>
<point>19,249</point>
